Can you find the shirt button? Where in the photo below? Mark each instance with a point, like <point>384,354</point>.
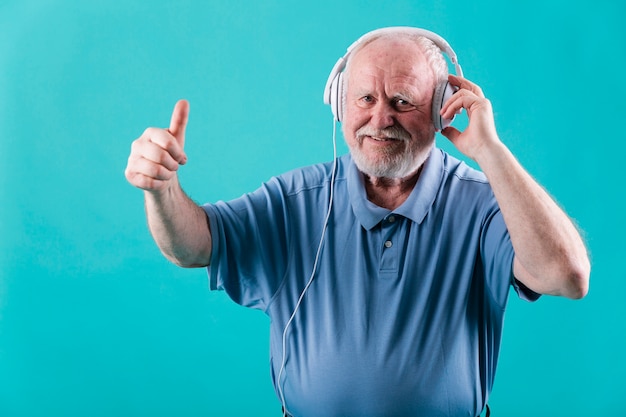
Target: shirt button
<point>391,218</point>
<point>388,244</point>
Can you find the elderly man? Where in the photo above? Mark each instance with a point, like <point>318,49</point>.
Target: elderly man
<point>385,273</point>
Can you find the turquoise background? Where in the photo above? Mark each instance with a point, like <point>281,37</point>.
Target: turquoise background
<point>94,322</point>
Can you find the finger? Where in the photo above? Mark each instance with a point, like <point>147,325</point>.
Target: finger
<point>464,83</point>
<point>178,122</point>
<point>147,175</point>
<point>150,169</point>
<point>463,99</point>
<point>147,183</point>
<point>165,140</point>
<point>451,133</point>
<point>154,153</point>
<point>455,104</point>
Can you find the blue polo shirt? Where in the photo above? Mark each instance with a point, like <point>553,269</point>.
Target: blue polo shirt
<point>404,316</point>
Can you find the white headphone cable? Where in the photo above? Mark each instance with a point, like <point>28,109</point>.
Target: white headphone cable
<point>310,281</point>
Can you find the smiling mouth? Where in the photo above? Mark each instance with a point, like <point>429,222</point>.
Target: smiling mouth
<point>382,139</point>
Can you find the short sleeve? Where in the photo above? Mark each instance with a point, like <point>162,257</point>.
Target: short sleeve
<point>497,256</point>
<point>249,250</point>
<point>524,292</point>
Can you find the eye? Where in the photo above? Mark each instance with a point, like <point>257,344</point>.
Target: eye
<point>366,101</point>
<point>401,104</point>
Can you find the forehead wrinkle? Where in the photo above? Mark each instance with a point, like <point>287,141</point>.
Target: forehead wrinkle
<point>400,86</point>
<point>374,62</point>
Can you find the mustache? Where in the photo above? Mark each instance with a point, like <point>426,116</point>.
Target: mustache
<point>391,132</point>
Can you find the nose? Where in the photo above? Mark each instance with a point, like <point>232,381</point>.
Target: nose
<point>382,116</point>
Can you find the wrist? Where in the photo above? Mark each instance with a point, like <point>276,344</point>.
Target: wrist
<point>490,152</point>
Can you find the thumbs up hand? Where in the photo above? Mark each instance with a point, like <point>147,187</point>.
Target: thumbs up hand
<point>156,155</point>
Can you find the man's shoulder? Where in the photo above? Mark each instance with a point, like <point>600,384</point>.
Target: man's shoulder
<point>459,170</point>
<point>464,184</point>
<point>312,176</point>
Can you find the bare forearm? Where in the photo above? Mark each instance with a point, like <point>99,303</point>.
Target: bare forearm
<point>179,227</point>
<point>550,254</point>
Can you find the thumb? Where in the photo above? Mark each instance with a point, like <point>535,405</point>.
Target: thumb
<point>178,123</point>
<point>451,133</point>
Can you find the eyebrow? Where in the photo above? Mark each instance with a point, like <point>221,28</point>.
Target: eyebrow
<point>404,96</point>
<point>399,95</point>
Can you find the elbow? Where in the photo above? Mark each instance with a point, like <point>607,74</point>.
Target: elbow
<point>187,260</point>
<point>194,265</point>
<point>578,289</point>
<point>568,277</point>
<point>189,263</point>
<point>578,280</point>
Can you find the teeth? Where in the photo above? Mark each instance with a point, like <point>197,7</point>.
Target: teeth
<point>379,139</point>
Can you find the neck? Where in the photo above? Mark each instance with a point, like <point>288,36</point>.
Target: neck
<point>390,193</point>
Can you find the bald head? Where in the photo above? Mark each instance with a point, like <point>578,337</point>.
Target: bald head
<point>427,49</point>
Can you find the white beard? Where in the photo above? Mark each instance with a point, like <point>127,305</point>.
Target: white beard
<point>394,164</point>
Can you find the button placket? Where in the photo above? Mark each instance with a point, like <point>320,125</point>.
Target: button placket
<point>389,256</point>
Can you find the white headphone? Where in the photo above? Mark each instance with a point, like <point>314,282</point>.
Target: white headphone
<point>333,93</point>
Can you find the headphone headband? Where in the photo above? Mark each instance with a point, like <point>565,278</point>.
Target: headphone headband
<point>441,43</point>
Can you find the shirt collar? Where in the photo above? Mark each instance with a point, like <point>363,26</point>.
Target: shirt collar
<point>416,205</point>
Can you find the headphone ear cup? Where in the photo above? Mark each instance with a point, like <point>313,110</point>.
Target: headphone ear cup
<point>443,92</point>
<point>336,96</point>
